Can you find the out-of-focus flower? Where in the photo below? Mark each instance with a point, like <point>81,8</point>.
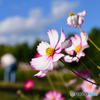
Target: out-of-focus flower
<point>71,82</point>
<point>87,86</point>
<point>98,90</point>
<point>50,53</point>
<point>88,97</point>
<point>53,95</point>
<point>78,87</point>
<point>76,19</point>
<point>28,84</point>
<point>83,73</point>
<point>18,93</point>
<point>76,50</point>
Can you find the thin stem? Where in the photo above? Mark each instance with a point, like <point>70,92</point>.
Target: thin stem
<point>93,62</point>
<point>89,39</point>
<point>78,74</point>
<point>87,69</point>
<point>63,81</point>
<point>24,97</point>
<point>50,81</point>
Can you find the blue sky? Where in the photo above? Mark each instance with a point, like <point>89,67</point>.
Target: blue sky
<point>26,20</point>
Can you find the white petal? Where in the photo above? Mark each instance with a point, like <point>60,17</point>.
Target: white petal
<point>41,73</point>
<point>68,59</point>
<point>62,39</point>
<point>56,57</point>
<point>78,39</point>
<point>42,63</point>
<point>74,20</point>
<point>80,20</point>
<point>42,47</point>
<point>82,13</point>
<point>80,54</point>
<point>84,38</point>
<point>53,36</point>
<point>69,20</point>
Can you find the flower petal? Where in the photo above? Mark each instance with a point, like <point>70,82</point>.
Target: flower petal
<point>41,73</point>
<point>80,20</point>
<point>84,38</point>
<point>53,36</point>
<point>43,63</point>
<point>66,44</point>
<point>69,21</point>
<point>62,39</point>
<point>82,13</point>
<point>42,47</point>
<point>74,20</point>
<point>78,39</point>
<point>56,57</point>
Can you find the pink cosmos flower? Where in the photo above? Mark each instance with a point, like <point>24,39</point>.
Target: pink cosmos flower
<point>53,95</point>
<point>76,50</point>
<point>76,19</point>
<point>28,84</point>
<point>50,53</point>
<point>87,86</point>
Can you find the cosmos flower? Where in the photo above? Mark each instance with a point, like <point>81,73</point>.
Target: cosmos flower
<point>87,86</point>
<point>28,84</point>
<point>50,53</point>
<point>53,95</point>
<point>72,81</point>
<point>76,19</point>
<point>76,50</point>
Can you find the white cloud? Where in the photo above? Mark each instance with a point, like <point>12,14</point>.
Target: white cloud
<point>61,8</point>
<point>25,29</point>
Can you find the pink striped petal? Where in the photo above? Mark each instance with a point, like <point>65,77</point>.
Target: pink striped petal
<point>62,39</point>
<point>56,57</point>
<point>41,73</point>
<point>53,36</point>
<point>43,63</point>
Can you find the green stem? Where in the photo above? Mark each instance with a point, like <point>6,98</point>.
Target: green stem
<point>87,69</point>
<point>50,81</point>
<point>78,74</point>
<point>63,81</point>
<point>24,97</point>
<point>93,62</point>
<point>89,39</point>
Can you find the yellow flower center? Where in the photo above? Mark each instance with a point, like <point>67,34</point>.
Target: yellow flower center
<point>52,98</point>
<point>71,14</point>
<point>78,48</point>
<point>89,86</point>
<point>50,51</point>
<point>28,84</point>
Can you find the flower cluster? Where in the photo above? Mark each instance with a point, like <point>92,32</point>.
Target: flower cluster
<point>51,53</point>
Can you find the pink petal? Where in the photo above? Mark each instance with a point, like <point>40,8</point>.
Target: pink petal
<point>42,47</point>
<point>53,36</point>
<point>56,57</point>
<point>41,73</point>
<point>68,59</point>
<point>62,39</point>
<point>42,63</point>
<point>82,13</point>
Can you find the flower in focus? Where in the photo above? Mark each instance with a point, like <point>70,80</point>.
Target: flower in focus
<point>50,53</point>
<point>87,86</point>
<point>28,84</point>
<point>76,19</point>
<point>71,82</point>
<point>53,95</point>
<point>76,50</point>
